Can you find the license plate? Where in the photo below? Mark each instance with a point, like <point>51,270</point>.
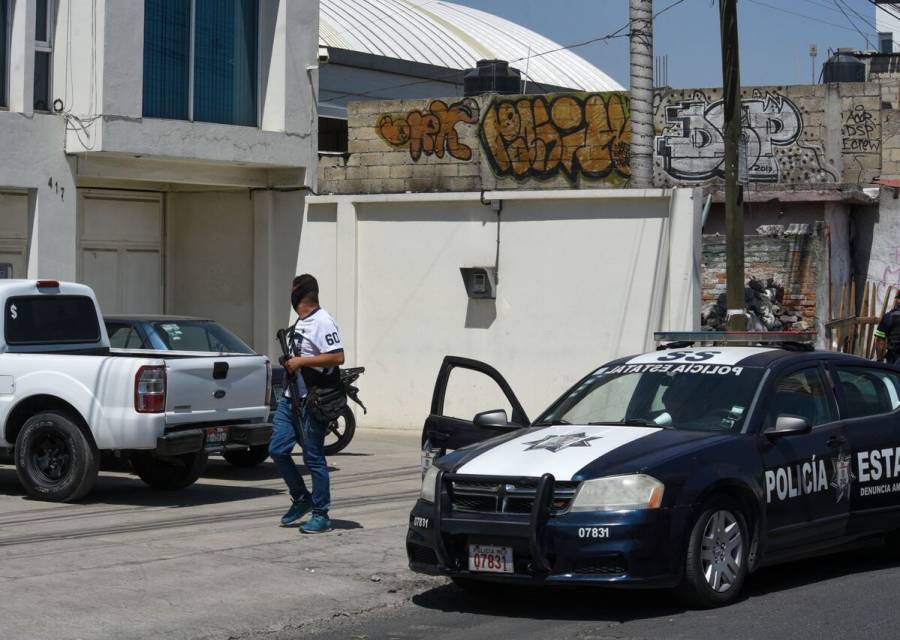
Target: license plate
<point>216,435</point>
<point>490,559</point>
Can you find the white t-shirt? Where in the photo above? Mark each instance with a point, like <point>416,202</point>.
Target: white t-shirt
<point>313,335</point>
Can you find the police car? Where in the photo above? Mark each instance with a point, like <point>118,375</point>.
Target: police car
<point>688,467</point>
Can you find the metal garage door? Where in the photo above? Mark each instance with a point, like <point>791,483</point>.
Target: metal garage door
<point>120,249</point>
<point>13,233</point>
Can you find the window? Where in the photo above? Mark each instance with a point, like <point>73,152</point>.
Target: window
<point>199,336</point>
<point>690,397</point>
<point>333,135</point>
<point>4,29</point>
<point>886,42</point>
<point>800,393</point>
<point>200,60</point>
<point>868,392</point>
<point>123,336</point>
<point>43,53</point>
<point>51,320</point>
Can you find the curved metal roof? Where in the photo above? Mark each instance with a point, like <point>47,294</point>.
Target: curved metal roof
<point>450,35</point>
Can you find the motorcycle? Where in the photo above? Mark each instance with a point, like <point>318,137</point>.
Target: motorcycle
<point>341,429</point>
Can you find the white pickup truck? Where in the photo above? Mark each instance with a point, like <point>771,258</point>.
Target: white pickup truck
<point>65,396</point>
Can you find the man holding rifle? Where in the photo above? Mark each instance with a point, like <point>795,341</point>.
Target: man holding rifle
<point>315,354</point>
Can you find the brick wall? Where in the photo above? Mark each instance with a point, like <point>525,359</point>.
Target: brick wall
<point>782,272</point>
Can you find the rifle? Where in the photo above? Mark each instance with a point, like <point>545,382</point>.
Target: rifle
<point>291,379</point>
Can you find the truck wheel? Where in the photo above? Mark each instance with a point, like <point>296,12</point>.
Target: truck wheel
<point>340,432</point>
<point>716,558</point>
<point>248,457</point>
<point>168,472</point>
<point>54,459</point>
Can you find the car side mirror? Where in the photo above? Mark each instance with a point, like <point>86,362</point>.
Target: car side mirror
<point>492,419</point>
<point>789,425</point>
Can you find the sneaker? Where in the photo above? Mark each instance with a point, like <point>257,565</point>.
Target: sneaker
<point>317,524</point>
<point>298,509</point>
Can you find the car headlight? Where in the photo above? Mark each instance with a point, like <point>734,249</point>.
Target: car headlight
<point>618,493</point>
<point>428,484</point>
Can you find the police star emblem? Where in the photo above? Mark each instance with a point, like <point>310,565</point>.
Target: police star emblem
<point>558,443</point>
<point>843,475</point>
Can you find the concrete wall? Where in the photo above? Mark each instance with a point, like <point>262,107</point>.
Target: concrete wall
<point>210,270</point>
<point>229,254</point>
<point>795,135</point>
<point>49,183</point>
<point>102,85</point>
<point>884,257</point>
<point>583,278</point>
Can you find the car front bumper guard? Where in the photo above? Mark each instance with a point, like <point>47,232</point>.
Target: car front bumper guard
<point>532,530</point>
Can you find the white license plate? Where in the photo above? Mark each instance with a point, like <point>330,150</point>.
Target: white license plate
<point>490,559</point>
<point>216,435</point>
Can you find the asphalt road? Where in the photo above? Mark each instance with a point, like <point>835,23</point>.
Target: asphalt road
<point>853,594</point>
<point>211,562</point>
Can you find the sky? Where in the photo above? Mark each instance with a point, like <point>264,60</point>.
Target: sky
<point>774,35</point>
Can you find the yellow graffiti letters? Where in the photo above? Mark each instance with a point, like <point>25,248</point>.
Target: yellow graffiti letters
<point>577,135</point>
<point>430,132</point>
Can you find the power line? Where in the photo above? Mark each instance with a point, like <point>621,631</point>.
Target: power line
<point>455,73</point>
<point>853,24</point>
<point>800,15</point>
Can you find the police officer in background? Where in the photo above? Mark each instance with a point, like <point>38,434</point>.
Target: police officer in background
<point>887,335</point>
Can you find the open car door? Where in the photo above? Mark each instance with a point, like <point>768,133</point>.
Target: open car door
<point>443,433</point>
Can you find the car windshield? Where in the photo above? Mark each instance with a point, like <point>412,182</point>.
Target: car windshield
<point>698,397</point>
<point>195,335</point>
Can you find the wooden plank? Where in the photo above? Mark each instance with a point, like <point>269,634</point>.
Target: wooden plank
<point>870,330</point>
<point>839,335</point>
<point>851,307</point>
<point>863,330</point>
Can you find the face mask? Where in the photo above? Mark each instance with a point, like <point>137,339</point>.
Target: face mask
<point>296,297</point>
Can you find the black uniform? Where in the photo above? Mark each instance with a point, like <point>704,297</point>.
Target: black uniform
<point>889,330</point>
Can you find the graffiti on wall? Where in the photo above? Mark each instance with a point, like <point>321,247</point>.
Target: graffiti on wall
<point>860,131</point>
<point>586,135</point>
<point>432,131</point>
<point>691,146</point>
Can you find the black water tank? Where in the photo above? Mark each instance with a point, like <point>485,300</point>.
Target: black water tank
<point>844,67</point>
<point>492,76</point>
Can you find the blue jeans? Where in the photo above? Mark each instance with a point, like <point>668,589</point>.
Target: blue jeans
<point>282,443</point>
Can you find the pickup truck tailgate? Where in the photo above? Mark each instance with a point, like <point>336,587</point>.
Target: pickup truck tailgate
<point>219,388</point>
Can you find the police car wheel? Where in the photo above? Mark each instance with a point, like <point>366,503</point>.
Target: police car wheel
<point>716,557</point>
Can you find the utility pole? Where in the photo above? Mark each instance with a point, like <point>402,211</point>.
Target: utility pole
<point>734,196</point>
<point>641,81</point>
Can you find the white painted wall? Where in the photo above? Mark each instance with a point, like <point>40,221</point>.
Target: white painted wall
<point>887,21</point>
<point>228,254</point>
<point>584,277</point>
<point>102,84</point>
<point>210,262</point>
<point>47,180</point>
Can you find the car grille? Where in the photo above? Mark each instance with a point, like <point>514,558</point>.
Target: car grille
<point>614,564</point>
<point>421,555</point>
<point>506,495</point>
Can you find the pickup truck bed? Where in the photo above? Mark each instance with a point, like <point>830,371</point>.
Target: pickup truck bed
<point>65,396</point>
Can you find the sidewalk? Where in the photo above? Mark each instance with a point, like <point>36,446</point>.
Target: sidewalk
<point>209,561</point>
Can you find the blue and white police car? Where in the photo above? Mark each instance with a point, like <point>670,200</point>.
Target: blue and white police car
<point>688,467</point>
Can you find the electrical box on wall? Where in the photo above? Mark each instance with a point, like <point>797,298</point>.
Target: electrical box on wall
<point>481,282</point>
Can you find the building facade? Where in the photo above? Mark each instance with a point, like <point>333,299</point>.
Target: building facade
<point>160,151</point>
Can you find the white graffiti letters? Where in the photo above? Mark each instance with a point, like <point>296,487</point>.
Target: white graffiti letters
<point>692,145</point>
